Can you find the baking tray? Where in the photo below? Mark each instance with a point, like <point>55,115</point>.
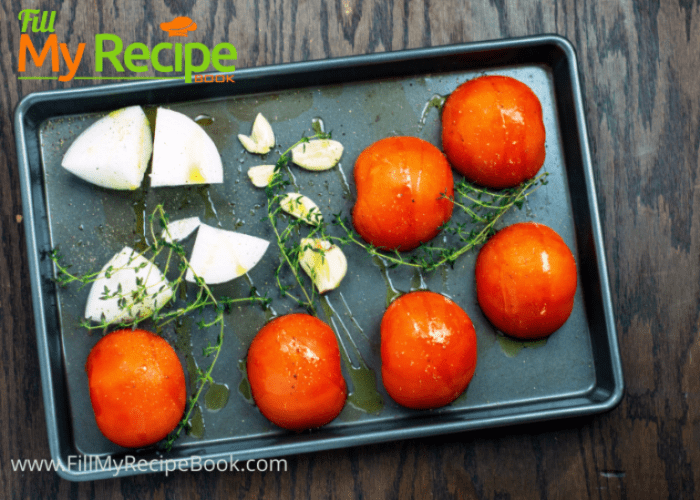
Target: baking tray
<point>361,99</point>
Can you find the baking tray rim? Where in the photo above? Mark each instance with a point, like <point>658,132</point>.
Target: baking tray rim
<point>609,398</point>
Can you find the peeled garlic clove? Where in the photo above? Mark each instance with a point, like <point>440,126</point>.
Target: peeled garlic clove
<point>262,138</point>
<point>302,208</point>
<point>261,175</point>
<point>178,230</point>
<point>317,154</point>
<point>324,262</point>
<point>114,151</point>
<point>219,255</point>
<point>139,286</point>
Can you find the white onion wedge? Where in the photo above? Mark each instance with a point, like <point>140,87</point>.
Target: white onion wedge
<point>317,154</point>
<point>302,208</point>
<point>219,255</point>
<point>178,230</point>
<point>114,151</point>
<point>128,286</point>
<point>183,153</point>
<point>262,138</point>
<point>324,262</point>
<point>261,175</point>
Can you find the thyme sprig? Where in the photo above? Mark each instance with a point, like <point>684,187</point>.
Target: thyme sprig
<point>286,236</point>
<point>204,299</point>
<point>483,207</point>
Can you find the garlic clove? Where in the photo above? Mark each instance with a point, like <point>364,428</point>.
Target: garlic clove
<point>324,262</point>
<point>262,138</point>
<point>261,175</point>
<point>301,207</point>
<point>317,154</point>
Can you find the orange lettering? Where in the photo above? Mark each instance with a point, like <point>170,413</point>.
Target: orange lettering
<point>72,64</point>
<point>25,44</point>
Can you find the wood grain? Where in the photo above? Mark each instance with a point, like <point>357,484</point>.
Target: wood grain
<point>639,62</point>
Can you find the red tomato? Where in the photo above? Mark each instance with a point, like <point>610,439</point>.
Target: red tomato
<point>428,350</point>
<point>404,191</point>
<point>137,387</point>
<point>492,131</point>
<point>526,280</point>
<point>294,372</point>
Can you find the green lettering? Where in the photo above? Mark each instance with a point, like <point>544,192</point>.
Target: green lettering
<point>44,27</point>
<point>129,57</point>
<point>27,15</point>
<point>101,54</point>
<point>189,66</point>
<point>178,57</point>
<point>154,57</point>
<point>217,56</point>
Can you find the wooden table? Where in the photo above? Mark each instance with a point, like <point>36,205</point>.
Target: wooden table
<point>640,65</point>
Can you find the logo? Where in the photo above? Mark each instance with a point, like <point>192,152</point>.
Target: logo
<point>110,52</point>
<point>179,26</point>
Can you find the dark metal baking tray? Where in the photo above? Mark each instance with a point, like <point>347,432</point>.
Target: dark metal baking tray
<point>577,371</point>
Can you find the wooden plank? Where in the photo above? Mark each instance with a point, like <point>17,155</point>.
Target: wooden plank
<point>639,62</point>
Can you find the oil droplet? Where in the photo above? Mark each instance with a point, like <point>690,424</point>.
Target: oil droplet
<point>204,120</point>
<point>443,275</point>
<point>417,281</point>
<point>511,347</point>
<point>461,397</point>
<point>183,329</point>
<point>364,395</point>
<point>139,208</point>
<point>244,386</point>
<point>436,101</point>
<point>216,396</point>
<point>293,179</point>
<point>192,370</point>
<point>352,316</point>
<point>150,112</point>
<point>268,310</point>
<point>347,193</point>
<point>195,426</point>
<point>317,125</point>
<point>391,292</point>
<point>209,208</point>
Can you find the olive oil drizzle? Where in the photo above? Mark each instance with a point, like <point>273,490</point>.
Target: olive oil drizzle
<point>347,193</point>
<point>244,386</point>
<point>196,424</point>
<point>317,125</point>
<point>209,208</point>
<point>203,120</point>
<point>511,347</point>
<point>140,218</point>
<point>391,292</point>
<point>352,317</point>
<point>216,396</point>
<point>417,281</point>
<point>437,101</point>
<point>267,308</point>
<point>364,395</point>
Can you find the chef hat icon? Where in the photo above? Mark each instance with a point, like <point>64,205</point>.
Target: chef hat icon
<point>179,26</point>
